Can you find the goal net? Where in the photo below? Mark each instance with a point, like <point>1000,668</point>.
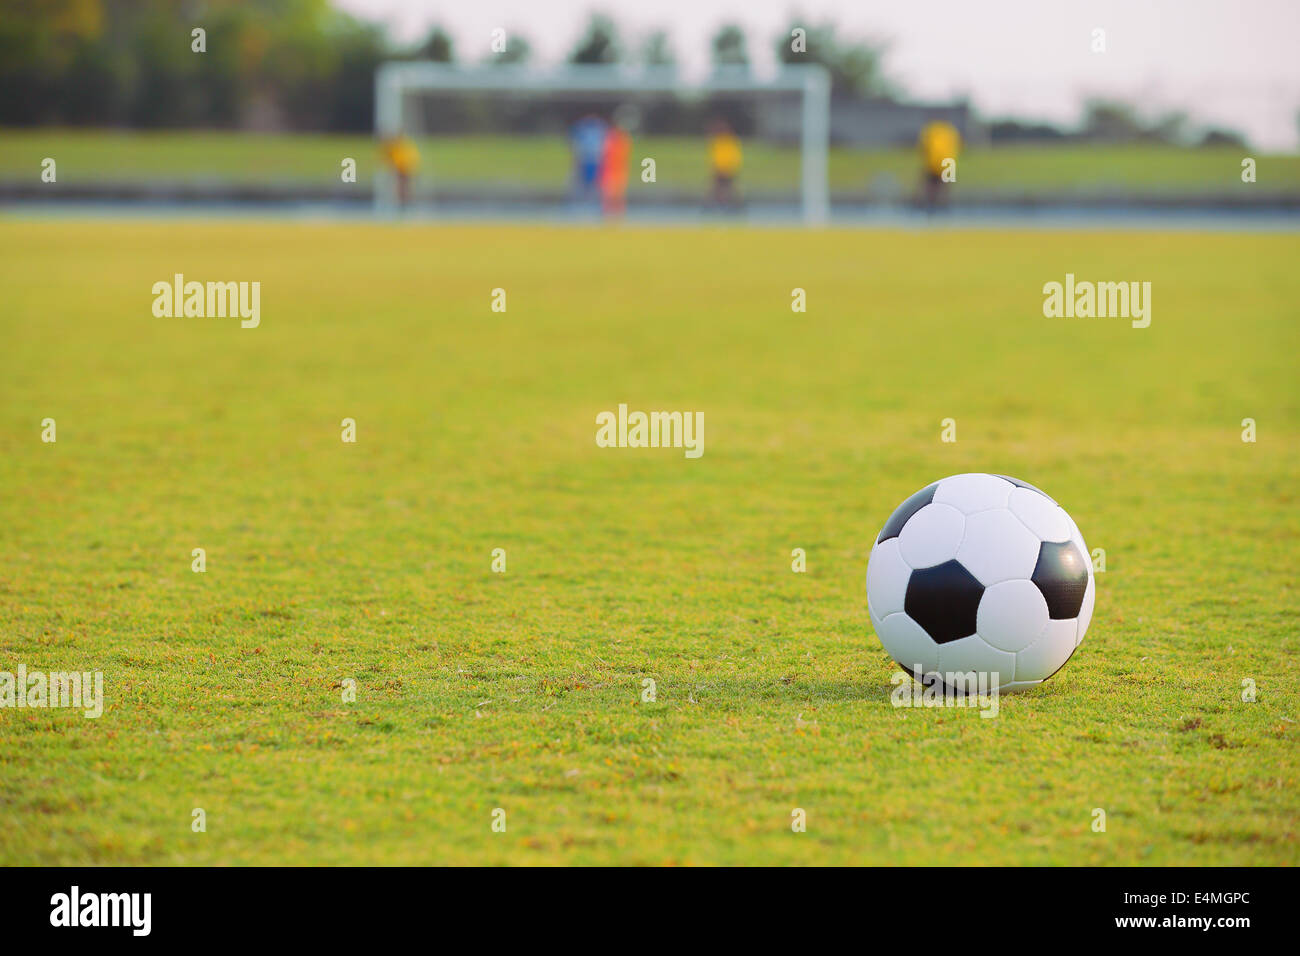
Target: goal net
<point>509,137</point>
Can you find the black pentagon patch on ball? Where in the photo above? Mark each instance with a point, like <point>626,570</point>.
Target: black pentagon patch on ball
<point>1062,575</point>
<point>904,511</point>
<point>943,600</point>
<point>1024,484</point>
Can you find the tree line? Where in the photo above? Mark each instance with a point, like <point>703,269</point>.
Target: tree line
<point>302,64</point>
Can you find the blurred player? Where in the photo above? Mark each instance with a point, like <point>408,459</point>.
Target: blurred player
<point>402,158</point>
<point>587,139</point>
<point>725,159</point>
<point>938,142</point>
<point>614,163</point>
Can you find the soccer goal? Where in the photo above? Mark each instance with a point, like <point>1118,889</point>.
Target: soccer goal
<point>802,91</point>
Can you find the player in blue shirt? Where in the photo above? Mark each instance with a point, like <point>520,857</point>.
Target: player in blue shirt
<point>587,138</point>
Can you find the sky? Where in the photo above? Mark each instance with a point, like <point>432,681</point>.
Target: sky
<point>1228,63</point>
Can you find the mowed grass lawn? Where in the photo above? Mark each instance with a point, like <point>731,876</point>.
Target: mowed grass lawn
<point>522,691</point>
<point>544,162</point>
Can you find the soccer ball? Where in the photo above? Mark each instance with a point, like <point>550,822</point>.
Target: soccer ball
<point>980,573</point>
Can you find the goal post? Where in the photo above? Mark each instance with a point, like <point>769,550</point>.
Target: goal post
<point>394,80</point>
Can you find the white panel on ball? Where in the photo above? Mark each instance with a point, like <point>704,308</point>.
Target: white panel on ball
<point>1011,615</point>
<point>997,547</point>
<point>887,575</point>
<point>975,654</point>
<point>973,492</point>
<point>1085,612</point>
<point>1077,537</point>
<point>1043,658</point>
<point>931,536</point>
<point>907,642</point>
<point>1045,519</point>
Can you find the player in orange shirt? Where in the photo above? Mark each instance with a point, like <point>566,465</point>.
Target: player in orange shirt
<point>613,169</point>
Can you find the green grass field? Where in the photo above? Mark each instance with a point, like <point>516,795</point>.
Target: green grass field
<point>522,691</point>
<point>544,162</point>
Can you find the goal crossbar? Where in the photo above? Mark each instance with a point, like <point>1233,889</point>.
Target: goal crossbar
<point>394,80</point>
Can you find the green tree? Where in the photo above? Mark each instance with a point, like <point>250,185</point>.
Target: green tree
<point>165,70</point>
<point>657,50</point>
<point>360,48</point>
<point>729,47</point>
<point>90,87</point>
<point>518,50</point>
<point>599,44</point>
<point>856,67</point>
<point>1111,120</point>
<point>438,47</point>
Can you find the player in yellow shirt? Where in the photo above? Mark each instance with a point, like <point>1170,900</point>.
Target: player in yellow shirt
<point>938,143</point>
<point>725,158</point>
<point>402,157</point>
